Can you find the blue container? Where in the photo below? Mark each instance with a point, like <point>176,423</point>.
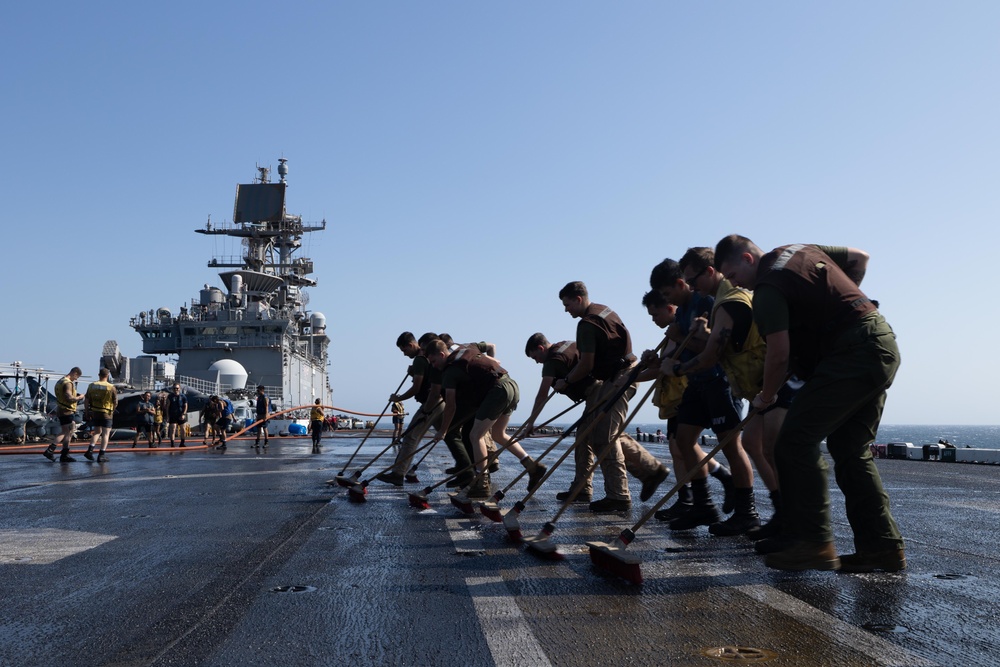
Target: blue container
<point>296,429</point>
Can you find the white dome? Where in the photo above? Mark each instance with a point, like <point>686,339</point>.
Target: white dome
<point>231,372</point>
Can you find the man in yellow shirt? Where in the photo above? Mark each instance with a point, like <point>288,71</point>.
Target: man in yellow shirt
<point>100,401</point>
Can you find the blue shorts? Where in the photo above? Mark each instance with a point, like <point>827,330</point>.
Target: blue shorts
<point>710,404</point>
<point>101,420</point>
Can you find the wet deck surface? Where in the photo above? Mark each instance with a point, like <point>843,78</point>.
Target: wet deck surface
<point>173,559</point>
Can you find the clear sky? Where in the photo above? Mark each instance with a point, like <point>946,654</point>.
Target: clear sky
<point>471,158</point>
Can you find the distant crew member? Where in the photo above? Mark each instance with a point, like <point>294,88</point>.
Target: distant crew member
<point>101,401</point>
<point>397,420</point>
<point>226,410</point>
<point>67,401</point>
<point>316,420</point>
<point>263,410</point>
<point>177,408</point>
<point>147,413</point>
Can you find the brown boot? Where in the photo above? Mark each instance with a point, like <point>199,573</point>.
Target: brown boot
<point>535,472</point>
<point>805,556</point>
<point>480,488</point>
<point>890,560</point>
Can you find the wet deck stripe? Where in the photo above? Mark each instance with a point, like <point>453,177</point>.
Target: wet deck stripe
<point>842,634</point>
<point>511,642</point>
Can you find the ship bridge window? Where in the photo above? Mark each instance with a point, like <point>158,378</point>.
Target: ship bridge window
<point>229,331</point>
<point>210,331</point>
<point>189,331</point>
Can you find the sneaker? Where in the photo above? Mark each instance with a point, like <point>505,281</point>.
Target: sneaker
<point>673,512</point>
<point>101,458</point>
<point>535,476</point>
<point>770,545</point>
<point>803,556</point>
<point>697,515</point>
<point>890,560</point>
<point>66,458</point>
<point>390,478</point>
<point>610,505</point>
<point>737,524</point>
<point>50,454</point>
<point>653,482</point>
<point>580,497</point>
<point>89,454</point>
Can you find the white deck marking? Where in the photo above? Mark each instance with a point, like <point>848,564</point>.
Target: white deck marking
<point>511,641</point>
<point>46,545</point>
<point>842,634</point>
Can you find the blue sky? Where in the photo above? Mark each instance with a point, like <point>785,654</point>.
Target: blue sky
<point>471,158</point>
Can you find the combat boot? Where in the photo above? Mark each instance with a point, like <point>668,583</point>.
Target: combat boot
<point>743,519</point>
<point>480,488</point>
<point>535,472</point>
<point>702,512</point>
<point>803,555</point>
<point>890,560</point>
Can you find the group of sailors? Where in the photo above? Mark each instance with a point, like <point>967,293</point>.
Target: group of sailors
<point>788,331</point>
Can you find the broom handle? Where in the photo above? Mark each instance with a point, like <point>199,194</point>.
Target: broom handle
<point>386,409</point>
<point>548,450</point>
<point>605,408</point>
<point>392,443</point>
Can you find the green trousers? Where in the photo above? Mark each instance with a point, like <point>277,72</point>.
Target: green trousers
<point>842,401</point>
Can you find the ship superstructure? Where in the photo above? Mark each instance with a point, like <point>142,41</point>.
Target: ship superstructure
<point>255,328</point>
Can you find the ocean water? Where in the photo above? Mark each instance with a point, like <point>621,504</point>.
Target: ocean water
<point>919,434</point>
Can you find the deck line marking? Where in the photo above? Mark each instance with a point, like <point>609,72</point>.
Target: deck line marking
<point>879,650</point>
<point>508,636</point>
<point>511,642</point>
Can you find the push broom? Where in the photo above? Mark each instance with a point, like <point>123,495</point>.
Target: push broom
<point>612,557</point>
<point>348,481</point>
<point>541,545</point>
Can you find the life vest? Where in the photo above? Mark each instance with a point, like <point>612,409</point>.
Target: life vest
<point>667,394</point>
<point>567,353</point>
<point>822,301</point>
<point>316,413</point>
<point>614,348</point>
<point>425,385</point>
<point>65,406</point>
<point>744,368</point>
<point>101,397</point>
<point>482,372</point>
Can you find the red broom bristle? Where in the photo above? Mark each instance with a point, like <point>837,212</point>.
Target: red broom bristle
<point>491,511</point>
<point>462,503</point>
<point>615,560</point>
<point>419,501</point>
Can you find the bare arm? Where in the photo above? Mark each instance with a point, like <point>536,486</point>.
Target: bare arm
<point>857,264</point>
<point>582,368</point>
<point>449,412</point>
<point>540,399</point>
<point>775,368</point>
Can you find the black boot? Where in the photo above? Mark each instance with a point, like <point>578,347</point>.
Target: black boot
<point>743,519</point>
<point>702,512</point>
<point>773,527</point>
<point>726,479</point>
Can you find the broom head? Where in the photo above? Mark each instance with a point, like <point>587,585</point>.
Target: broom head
<point>358,493</point>
<point>462,502</point>
<point>491,511</point>
<point>613,558</point>
<point>419,500</point>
